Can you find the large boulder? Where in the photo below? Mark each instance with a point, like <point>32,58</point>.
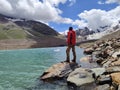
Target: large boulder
<point>80,76</point>
<point>116,78</point>
<point>58,71</point>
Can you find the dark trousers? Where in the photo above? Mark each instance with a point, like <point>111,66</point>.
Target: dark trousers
<point>68,53</point>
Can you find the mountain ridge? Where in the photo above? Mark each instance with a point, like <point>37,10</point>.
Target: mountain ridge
<point>36,33</point>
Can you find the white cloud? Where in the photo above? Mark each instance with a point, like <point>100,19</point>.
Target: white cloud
<point>44,11</point>
<point>56,2</point>
<point>112,1</point>
<point>64,20</point>
<point>48,11</point>
<point>72,2</point>
<point>96,17</point>
<point>115,13</point>
<point>5,6</point>
<point>80,23</point>
<point>100,2</point>
<point>109,2</point>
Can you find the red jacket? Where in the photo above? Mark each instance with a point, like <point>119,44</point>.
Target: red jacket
<point>71,37</point>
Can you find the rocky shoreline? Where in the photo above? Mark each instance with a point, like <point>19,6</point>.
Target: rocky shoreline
<point>103,74</point>
<point>107,55</point>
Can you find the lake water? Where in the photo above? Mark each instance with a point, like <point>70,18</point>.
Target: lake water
<point>21,69</point>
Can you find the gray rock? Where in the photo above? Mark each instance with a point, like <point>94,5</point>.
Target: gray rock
<point>58,71</point>
<point>98,49</point>
<point>98,71</point>
<point>88,62</point>
<point>80,76</point>
<point>90,86</point>
<point>119,87</point>
<point>103,87</point>
<point>114,55</point>
<point>107,64</point>
<point>113,69</point>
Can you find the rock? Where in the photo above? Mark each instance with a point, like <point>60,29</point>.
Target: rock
<point>112,59</point>
<point>116,78</point>
<point>97,53</point>
<point>116,45</point>
<point>58,71</point>
<point>88,62</point>
<point>98,49</point>
<point>109,51</point>
<point>103,79</point>
<point>80,76</point>
<point>99,60</point>
<point>90,86</point>
<point>107,64</point>
<point>115,54</point>
<point>116,63</point>
<point>113,69</point>
<point>113,88</point>
<point>88,50</point>
<point>98,71</point>
<point>101,45</point>
<point>103,87</point>
<point>95,46</point>
<point>119,87</point>
<point>104,61</point>
<point>86,59</point>
<point>103,54</point>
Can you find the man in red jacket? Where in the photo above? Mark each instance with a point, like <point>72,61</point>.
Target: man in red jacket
<point>71,41</point>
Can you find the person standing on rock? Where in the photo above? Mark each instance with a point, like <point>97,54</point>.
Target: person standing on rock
<point>71,41</point>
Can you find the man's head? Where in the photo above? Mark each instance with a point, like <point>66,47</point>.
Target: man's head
<point>70,28</point>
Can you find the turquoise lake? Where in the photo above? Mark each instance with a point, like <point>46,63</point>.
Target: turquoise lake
<point>21,69</point>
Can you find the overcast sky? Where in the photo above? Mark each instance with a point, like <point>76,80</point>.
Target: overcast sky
<point>60,14</point>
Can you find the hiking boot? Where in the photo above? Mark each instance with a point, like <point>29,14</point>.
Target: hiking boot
<point>67,61</point>
<point>74,60</point>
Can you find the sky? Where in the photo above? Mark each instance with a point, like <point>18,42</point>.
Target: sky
<point>61,14</point>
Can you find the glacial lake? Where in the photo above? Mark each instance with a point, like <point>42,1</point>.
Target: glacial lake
<point>21,69</point>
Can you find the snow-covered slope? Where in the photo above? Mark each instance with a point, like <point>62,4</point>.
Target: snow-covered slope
<point>98,35</point>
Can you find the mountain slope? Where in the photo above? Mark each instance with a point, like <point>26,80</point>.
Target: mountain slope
<point>105,31</point>
<point>35,34</point>
<point>11,31</point>
<point>37,26</point>
<point>115,34</point>
<point>83,32</point>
